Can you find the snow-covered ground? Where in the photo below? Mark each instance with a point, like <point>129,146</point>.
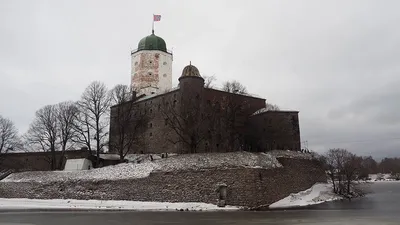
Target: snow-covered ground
<point>23,203</point>
<point>318,193</point>
<point>386,177</point>
<point>291,154</point>
<point>140,170</point>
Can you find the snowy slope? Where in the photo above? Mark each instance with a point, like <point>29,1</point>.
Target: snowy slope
<point>318,193</point>
<point>141,170</point>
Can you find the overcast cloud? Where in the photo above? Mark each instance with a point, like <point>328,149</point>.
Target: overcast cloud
<point>337,62</point>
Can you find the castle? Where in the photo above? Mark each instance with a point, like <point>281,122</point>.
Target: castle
<point>192,118</point>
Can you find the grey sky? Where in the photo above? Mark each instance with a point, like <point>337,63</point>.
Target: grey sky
<point>337,62</point>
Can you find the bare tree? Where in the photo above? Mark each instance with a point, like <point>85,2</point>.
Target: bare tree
<point>351,167</point>
<point>343,167</point>
<point>66,117</point>
<point>187,120</point>
<point>389,165</point>
<point>43,131</point>
<point>95,105</point>
<point>368,166</point>
<point>209,81</point>
<point>228,116</point>
<point>83,131</point>
<point>8,135</point>
<point>271,107</point>
<point>126,123</point>
<point>120,94</point>
<point>234,87</point>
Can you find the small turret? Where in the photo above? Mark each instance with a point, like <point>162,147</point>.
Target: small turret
<point>191,78</point>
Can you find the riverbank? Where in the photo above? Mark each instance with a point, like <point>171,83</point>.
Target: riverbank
<point>317,194</point>
<point>73,204</point>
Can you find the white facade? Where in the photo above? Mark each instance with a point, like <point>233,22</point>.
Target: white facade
<point>151,71</point>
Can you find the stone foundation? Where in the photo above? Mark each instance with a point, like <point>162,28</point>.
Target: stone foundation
<point>250,187</point>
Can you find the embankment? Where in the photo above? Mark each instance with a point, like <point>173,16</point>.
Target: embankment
<point>250,186</point>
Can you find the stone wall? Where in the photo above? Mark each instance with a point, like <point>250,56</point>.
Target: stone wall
<point>159,137</point>
<point>250,187</point>
<point>274,130</point>
<point>36,161</point>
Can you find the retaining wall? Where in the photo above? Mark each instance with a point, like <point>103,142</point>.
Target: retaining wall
<point>251,187</point>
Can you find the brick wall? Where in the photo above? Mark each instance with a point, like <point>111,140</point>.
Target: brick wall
<point>249,187</point>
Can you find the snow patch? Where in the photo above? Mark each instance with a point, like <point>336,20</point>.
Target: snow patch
<point>318,193</point>
<point>381,177</point>
<point>22,203</point>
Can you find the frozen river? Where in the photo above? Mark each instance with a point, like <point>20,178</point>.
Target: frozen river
<point>380,207</point>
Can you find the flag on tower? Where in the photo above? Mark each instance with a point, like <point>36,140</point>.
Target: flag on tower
<point>156,17</point>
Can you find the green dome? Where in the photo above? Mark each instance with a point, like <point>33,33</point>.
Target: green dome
<point>152,42</point>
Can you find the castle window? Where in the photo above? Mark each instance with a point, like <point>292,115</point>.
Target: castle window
<point>150,73</point>
<point>136,63</point>
<point>164,75</point>
<point>151,62</point>
<point>166,121</point>
<point>151,134</point>
<point>159,107</point>
<point>150,125</point>
<point>151,111</point>
<point>164,63</point>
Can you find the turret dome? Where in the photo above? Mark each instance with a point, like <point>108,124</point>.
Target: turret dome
<point>190,71</point>
<point>152,42</point>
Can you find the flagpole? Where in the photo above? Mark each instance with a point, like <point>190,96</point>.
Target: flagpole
<point>152,27</point>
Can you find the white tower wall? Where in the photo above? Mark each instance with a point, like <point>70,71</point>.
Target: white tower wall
<point>151,71</point>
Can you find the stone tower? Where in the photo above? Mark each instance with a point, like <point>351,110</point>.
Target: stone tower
<point>151,66</point>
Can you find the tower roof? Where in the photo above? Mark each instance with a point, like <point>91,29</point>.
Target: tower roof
<point>190,71</point>
<point>152,42</point>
